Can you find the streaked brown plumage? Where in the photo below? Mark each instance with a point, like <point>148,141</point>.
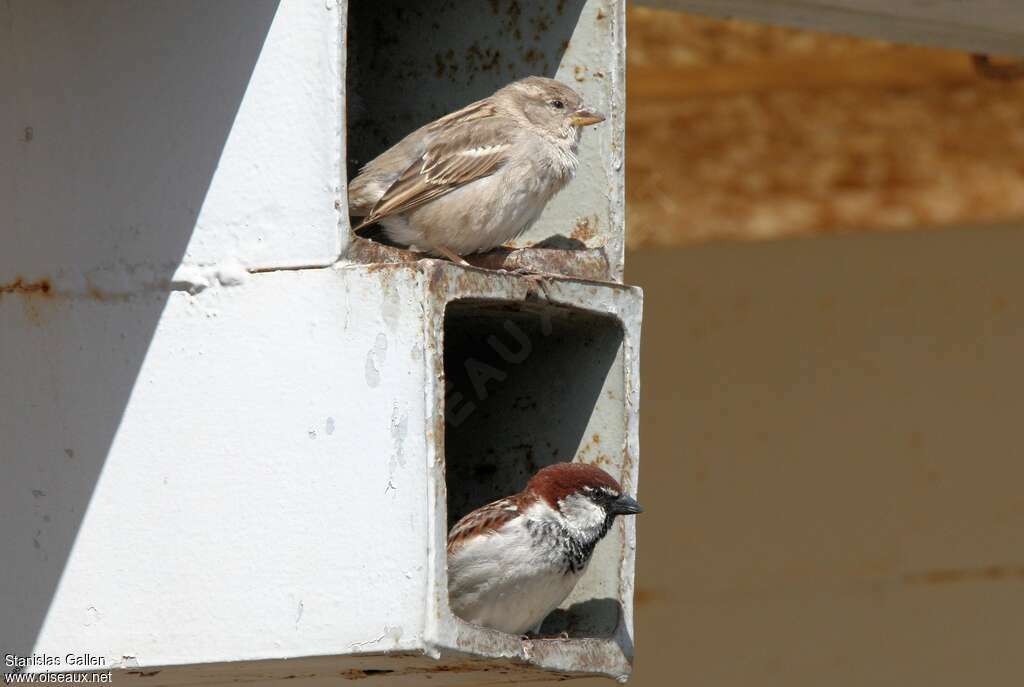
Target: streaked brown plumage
<point>479,176</point>
<point>511,562</point>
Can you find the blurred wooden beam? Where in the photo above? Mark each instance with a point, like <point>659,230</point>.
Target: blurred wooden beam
<point>882,69</point>
<point>992,26</point>
<point>741,131</point>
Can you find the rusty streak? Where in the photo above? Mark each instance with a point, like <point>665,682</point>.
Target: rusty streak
<point>579,263</point>
<point>22,287</point>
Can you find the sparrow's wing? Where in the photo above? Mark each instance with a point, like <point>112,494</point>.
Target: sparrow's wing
<point>458,154</point>
<point>380,173</point>
<point>487,518</point>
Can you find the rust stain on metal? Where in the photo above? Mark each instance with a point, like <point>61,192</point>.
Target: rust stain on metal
<point>483,59</point>
<point>600,14</point>
<point>532,56</point>
<point>20,286</point>
<point>585,229</point>
<point>514,10</point>
<point>514,668</point>
<point>591,263</point>
<point>990,573</point>
<point>438,283</point>
<point>445,64</point>
<point>627,469</point>
<point>367,251</point>
<point>97,294</point>
<point>584,263</point>
<point>360,674</point>
<point>541,24</point>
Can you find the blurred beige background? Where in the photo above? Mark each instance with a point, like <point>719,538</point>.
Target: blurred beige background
<point>744,131</point>
<point>830,425</point>
<point>830,432</point>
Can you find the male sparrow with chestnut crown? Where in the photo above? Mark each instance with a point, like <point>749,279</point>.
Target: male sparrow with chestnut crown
<point>513,561</point>
<point>478,177</point>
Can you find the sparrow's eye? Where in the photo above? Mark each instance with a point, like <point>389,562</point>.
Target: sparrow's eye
<point>557,104</point>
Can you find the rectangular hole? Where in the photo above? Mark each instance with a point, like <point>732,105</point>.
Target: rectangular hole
<point>528,385</point>
<point>411,62</point>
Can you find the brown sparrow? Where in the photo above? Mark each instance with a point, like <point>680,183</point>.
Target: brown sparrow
<point>478,177</point>
<point>513,561</point>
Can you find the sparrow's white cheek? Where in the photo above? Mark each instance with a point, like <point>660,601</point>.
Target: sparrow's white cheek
<point>582,514</point>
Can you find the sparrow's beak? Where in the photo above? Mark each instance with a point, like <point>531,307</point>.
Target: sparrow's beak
<point>585,116</point>
<point>626,505</point>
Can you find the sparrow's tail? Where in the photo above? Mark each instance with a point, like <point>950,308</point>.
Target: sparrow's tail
<point>366,227</point>
<point>369,229</point>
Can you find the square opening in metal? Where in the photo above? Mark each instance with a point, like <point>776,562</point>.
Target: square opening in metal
<point>409,63</point>
<point>527,385</point>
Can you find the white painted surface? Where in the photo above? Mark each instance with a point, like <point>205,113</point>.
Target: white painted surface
<point>263,476</point>
<point>220,445</point>
<point>168,132</point>
<point>251,500</point>
<point>993,26</point>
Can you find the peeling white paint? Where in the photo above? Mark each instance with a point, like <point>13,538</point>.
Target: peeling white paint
<point>375,360</point>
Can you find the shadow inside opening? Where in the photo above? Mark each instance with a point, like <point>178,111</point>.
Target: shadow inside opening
<point>524,385</point>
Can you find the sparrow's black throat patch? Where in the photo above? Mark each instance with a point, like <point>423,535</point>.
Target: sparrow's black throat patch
<point>575,551</point>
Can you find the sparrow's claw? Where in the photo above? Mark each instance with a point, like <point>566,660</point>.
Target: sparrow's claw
<point>529,636</point>
<point>538,281</point>
<point>453,256</point>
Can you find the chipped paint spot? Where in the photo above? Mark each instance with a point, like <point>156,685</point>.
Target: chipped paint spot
<point>93,616</point>
<point>391,309</point>
<point>375,359</point>
<point>230,272</point>
<point>399,432</point>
